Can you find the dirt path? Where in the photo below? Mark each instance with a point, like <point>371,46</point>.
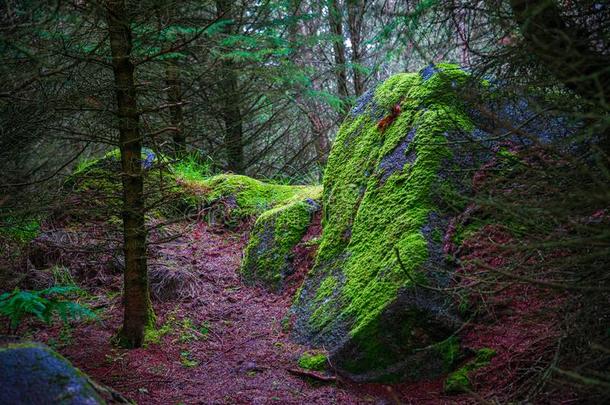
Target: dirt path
<point>223,344</point>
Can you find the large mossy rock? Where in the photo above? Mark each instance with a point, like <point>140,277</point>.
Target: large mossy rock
<point>34,374</point>
<point>387,187</point>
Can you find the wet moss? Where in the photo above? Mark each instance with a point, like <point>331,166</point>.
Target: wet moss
<point>313,361</point>
<point>252,197</point>
<point>267,256</point>
<point>368,211</point>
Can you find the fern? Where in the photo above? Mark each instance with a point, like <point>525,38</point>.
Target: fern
<point>43,305</point>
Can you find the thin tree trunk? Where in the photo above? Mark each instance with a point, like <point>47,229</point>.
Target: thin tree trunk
<point>138,314</point>
<point>355,14</point>
<point>174,97</point>
<point>303,56</point>
<point>231,100</point>
<point>335,21</point>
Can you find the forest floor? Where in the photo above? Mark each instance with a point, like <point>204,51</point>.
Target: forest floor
<point>225,343</point>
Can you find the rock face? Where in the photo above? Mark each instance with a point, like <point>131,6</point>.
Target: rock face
<point>389,188</point>
<point>267,258</point>
<point>34,374</point>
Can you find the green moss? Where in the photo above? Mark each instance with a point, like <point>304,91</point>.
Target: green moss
<point>449,349</point>
<point>313,361</point>
<point>153,335</point>
<point>275,233</point>
<point>253,197</point>
<point>460,380</point>
<point>326,289</point>
<point>457,382</point>
<point>368,213</point>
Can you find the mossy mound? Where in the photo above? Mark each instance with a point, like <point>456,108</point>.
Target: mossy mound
<point>98,183</point>
<point>32,373</point>
<point>386,192</point>
<point>313,361</point>
<point>246,197</point>
<point>283,214</point>
<point>268,258</point>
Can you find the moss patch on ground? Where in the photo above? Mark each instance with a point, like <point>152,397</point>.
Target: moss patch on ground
<point>460,380</point>
<point>313,361</point>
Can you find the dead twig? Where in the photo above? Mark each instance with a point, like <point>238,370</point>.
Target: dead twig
<point>312,374</point>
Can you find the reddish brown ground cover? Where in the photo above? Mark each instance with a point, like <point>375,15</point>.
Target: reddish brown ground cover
<point>233,348</point>
<point>228,342</point>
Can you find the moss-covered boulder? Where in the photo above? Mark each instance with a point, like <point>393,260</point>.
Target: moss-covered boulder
<point>283,213</point>
<point>32,373</point>
<point>372,299</point>
<point>246,197</point>
<point>268,256</point>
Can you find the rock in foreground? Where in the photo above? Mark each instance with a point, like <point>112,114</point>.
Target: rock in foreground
<point>32,374</point>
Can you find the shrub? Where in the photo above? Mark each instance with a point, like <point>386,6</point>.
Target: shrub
<point>43,305</point>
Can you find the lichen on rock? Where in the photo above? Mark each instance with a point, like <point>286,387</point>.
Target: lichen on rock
<point>383,192</point>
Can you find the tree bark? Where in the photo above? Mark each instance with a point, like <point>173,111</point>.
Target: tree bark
<point>355,15</point>
<point>335,21</point>
<point>230,100</point>
<point>138,314</point>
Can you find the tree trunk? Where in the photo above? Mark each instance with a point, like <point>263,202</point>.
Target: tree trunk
<point>335,21</point>
<point>138,314</point>
<point>174,97</point>
<point>355,14</point>
<point>230,100</point>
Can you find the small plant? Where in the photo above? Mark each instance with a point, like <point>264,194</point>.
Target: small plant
<point>20,229</point>
<point>186,360</point>
<point>191,332</point>
<point>42,304</point>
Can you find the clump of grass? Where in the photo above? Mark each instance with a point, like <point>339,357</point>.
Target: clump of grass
<point>193,167</point>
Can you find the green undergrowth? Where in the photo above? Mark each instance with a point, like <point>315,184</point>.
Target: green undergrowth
<point>44,305</point>
<point>368,212</point>
<point>460,380</point>
<point>21,230</point>
<point>183,330</point>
